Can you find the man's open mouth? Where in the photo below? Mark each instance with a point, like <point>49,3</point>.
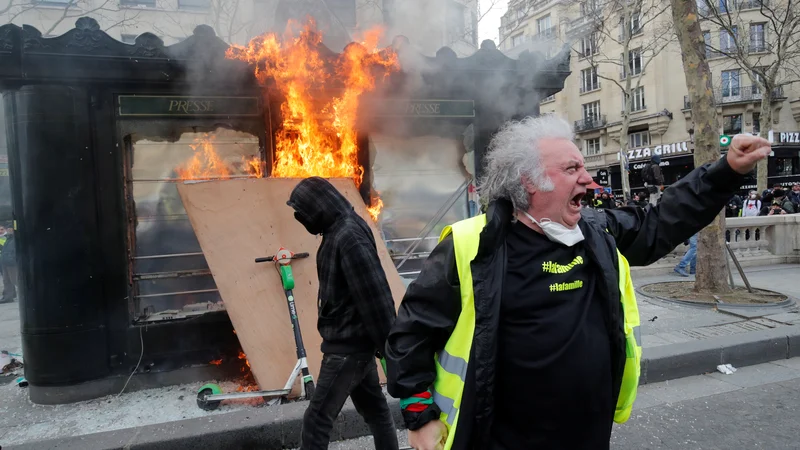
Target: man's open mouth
<point>576,200</point>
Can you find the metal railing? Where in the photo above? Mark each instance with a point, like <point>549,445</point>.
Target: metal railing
<point>734,94</point>
<point>593,87</point>
<point>546,34</point>
<point>737,94</point>
<point>590,123</point>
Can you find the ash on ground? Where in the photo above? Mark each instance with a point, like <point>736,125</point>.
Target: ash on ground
<point>23,421</point>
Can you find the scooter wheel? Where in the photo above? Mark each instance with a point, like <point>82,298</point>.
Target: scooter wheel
<point>310,390</point>
<point>207,405</point>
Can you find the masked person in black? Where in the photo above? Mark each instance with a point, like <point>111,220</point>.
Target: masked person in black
<point>356,311</point>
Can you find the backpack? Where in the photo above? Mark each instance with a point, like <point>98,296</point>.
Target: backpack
<point>647,174</point>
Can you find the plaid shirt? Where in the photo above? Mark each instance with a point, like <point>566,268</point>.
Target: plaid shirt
<point>355,305</point>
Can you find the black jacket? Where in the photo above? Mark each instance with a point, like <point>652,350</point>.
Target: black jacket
<point>355,304</point>
<point>431,306</point>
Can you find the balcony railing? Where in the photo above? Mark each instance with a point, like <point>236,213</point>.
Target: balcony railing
<point>581,22</point>
<point>704,10</point>
<point>591,88</point>
<point>737,94</point>
<point>546,34</point>
<point>590,123</point>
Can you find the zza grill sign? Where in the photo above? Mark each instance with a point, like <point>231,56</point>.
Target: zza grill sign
<point>645,153</point>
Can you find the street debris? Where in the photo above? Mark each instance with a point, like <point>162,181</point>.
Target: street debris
<point>727,369</point>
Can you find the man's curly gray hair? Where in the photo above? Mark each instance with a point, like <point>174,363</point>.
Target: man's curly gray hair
<point>514,154</point>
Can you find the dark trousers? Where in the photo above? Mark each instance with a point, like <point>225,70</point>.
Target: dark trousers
<point>9,282</point>
<point>341,376</point>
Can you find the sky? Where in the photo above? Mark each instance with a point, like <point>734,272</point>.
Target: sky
<point>489,24</point>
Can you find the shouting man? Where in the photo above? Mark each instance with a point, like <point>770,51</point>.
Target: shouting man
<point>356,311</point>
<point>522,331</point>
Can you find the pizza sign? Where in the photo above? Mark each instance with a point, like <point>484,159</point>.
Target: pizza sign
<point>789,137</point>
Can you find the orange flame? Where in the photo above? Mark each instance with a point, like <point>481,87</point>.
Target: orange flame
<point>375,209</point>
<point>244,357</point>
<point>216,362</point>
<point>318,135</point>
<point>206,163</point>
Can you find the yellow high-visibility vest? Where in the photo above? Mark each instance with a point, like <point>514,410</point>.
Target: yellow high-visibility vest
<point>453,359</point>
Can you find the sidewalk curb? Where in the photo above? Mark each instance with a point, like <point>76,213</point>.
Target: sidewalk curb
<point>275,428</point>
<point>668,362</point>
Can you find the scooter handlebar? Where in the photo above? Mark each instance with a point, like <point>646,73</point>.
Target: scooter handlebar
<point>272,258</point>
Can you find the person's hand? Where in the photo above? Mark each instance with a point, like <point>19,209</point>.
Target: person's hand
<point>783,211</point>
<point>746,151</point>
<point>432,436</point>
<point>771,212</point>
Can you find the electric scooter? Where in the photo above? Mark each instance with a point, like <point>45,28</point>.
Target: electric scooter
<point>210,395</point>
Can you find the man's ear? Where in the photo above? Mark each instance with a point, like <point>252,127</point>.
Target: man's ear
<point>529,186</point>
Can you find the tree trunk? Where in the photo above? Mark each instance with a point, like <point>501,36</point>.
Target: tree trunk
<point>624,142</point>
<point>711,270</point>
<point>766,124</point>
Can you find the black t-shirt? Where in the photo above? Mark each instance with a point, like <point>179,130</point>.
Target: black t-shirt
<point>553,385</point>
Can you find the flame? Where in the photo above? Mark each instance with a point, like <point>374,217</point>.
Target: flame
<point>216,362</point>
<point>206,163</point>
<point>318,135</point>
<point>244,357</point>
<point>375,209</point>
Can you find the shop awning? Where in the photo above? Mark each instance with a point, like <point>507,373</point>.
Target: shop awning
<point>594,186</point>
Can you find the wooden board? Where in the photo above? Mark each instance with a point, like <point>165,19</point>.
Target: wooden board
<point>237,221</point>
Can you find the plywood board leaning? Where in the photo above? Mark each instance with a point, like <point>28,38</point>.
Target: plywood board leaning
<point>237,221</point>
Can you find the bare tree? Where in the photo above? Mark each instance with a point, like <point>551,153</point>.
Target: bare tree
<point>710,244</point>
<point>767,49</point>
<point>623,38</point>
<point>108,13</point>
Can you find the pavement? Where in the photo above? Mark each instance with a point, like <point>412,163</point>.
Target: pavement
<point>757,407</point>
<point>678,341</point>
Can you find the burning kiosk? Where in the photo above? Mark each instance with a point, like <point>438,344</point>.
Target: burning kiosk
<point>99,132</point>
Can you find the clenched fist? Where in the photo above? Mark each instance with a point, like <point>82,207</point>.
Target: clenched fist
<point>432,436</point>
<point>746,151</point>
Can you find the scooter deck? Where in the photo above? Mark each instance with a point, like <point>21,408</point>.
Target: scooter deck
<point>251,394</point>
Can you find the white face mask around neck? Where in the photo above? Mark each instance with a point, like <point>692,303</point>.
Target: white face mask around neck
<point>557,232</point>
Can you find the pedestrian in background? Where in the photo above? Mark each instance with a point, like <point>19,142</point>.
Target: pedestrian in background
<point>689,259</point>
<point>8,259</point>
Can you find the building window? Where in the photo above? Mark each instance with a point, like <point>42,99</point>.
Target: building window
<point>589,80</point>
<point>544,25</point>
<point>592,146</point>
<point>730,83</point>
<point>128,38</point>
<point>707,39</point>
<point>456,18</point>
<point>634,63</point>
<point>638,139</point>
<point>756,123</point>
<point>150,3</point>
<point>634,25</point>
<point>732,124</point>
<point>589,45</point>
<point>727,41</point>
<point>517,40</point>
<point>784,166</point>
<point>591,111</point>
<point>637,103</point>
<point>757,41</point>
<point>590,7</point>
